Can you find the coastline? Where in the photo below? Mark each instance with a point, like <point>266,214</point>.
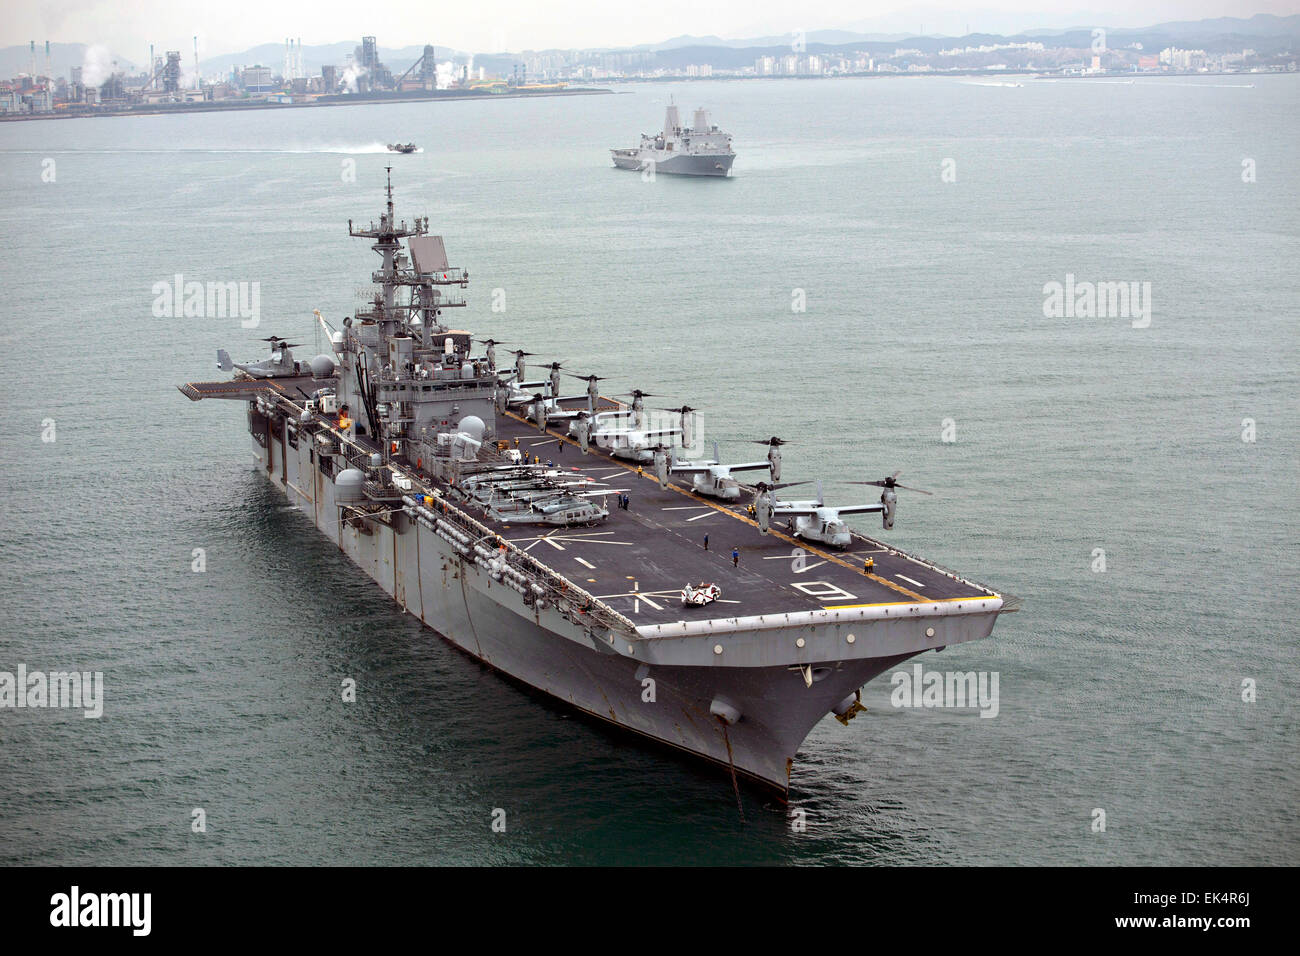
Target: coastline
<point>227,106</point>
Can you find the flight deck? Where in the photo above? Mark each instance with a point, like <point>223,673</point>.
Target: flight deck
<point>638,560</point>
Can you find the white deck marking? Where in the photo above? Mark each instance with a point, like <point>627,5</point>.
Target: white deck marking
<point>791,558</point>
<point>557,547</point>
<point>708,514</point>
<point>650,597</point>
<point>588,538</point>
<point>685,508</point>
<point>910,580</point>
<point>822,589</point>
<point>585,564</point>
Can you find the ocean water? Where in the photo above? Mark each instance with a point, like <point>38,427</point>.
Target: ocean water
<point>1120,689</point>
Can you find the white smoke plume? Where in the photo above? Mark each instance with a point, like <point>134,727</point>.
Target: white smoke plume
<point>447,75</point>
<point>97,65</point>
<point>349,78</point>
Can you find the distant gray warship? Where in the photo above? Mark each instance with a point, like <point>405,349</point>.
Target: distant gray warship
<point>701,150</point>
<point>561,538</point>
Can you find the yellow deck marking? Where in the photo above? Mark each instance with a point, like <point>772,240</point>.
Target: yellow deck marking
<point>845,607</point>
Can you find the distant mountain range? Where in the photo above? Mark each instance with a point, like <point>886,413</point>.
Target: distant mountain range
<point>1265,32</point>
<point>1260,25</point>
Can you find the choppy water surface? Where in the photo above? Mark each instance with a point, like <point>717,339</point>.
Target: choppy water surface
<point>1118,690</point>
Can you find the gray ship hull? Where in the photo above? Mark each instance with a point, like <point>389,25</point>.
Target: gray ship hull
<point>679,165</point>
<point>550,651</point>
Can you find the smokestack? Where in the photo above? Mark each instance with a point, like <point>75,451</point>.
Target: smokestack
<point>198,83</point>
<point>33,61</point>
<point>149,69</point>
<point>49,63</point>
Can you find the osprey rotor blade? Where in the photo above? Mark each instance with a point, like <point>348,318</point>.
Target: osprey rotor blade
<point>891,482</point>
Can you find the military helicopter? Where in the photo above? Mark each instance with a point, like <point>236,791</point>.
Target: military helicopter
<point>279,365</point>
<point>714,478</point>
<point>815,520</point>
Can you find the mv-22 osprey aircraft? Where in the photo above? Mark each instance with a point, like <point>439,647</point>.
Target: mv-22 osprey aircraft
<point>814,520</point>
<point>623,433</point>
<point>714,478</point>
<point>279,365</point>
<point>542,407</point>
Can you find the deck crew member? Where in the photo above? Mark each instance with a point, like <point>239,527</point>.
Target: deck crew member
<point>735,557</point>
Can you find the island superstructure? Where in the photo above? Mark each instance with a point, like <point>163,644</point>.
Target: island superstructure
<point>489,506</point>
<point>698,150</point>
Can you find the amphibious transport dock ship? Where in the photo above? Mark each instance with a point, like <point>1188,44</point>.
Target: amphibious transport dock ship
<point>698,150</point>
<point>560,538</point>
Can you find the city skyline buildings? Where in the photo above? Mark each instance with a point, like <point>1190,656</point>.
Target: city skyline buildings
<point>497,26</point>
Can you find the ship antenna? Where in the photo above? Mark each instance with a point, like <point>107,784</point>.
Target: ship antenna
<point>390,191</point>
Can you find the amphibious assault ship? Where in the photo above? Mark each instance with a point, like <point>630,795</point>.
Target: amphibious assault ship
<point>698,150</point>
<point>561,538</point>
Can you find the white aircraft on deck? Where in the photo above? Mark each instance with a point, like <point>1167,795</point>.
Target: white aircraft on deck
<point>714,478</point>
<point>816,521</point>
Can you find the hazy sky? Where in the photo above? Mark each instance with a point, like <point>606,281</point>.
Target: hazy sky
<point>228,26</point>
